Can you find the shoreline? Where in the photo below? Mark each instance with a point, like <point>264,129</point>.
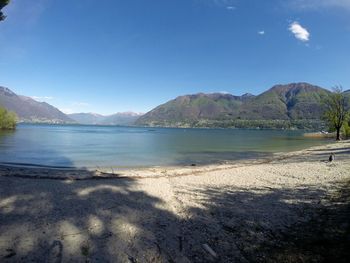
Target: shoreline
<point>293,207</point>
<point>76,173</point>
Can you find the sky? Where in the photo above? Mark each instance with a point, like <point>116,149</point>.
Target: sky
<point>112,56</point>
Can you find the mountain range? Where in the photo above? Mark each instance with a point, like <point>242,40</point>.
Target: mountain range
<point>295,105</point>
<point>30,110</point>
<point>120,118</point>
<point>282,106</point>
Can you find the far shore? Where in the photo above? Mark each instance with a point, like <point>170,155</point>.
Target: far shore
<point>290,207</point>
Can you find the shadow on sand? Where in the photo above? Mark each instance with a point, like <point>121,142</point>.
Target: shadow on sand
<point>43,220</point>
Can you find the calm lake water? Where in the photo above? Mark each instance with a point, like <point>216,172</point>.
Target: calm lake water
<point>92,146</point>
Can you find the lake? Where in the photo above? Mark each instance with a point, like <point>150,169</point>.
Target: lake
<point>124,147</point>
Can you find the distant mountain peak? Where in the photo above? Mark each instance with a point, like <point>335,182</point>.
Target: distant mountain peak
<point>129,113</point>
<point>6,91</point>
<point>93,113</point>
<point>245,95</point>
<point>30,110</point>
<point>294,85</point>
<point>119,118</point>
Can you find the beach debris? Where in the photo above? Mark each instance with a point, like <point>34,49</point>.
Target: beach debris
<point>85,249</point>
<point>158,247</point>
<point>180,243</point>
<point>209,250</point>
<point>229,228</point>
<point>10,254</point>
<point>132,259</point>
<point>331,157</point>
<point>193,164</point>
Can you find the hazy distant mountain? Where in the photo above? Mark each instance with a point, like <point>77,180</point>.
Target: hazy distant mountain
<point>296,101</point>
<point>121,118</point>
<point>86,118</point>
<point>30,110</point>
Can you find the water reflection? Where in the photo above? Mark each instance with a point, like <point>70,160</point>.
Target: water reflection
<point>91,146</point>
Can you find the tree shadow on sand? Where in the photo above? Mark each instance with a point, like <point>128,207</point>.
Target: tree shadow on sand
<point>116,220</point>
<point>269,225</point>
<point>95,221</point>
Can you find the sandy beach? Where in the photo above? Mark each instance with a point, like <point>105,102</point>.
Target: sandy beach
<point>291,207</point>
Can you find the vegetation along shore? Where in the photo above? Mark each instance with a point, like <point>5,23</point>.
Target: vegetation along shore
<point>8,119</point>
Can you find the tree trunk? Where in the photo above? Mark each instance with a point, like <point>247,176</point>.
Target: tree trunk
<point>338,134</point>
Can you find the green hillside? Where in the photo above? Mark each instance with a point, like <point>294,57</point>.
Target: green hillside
<point>189,109</point>
<point>296,105</point>
<point>286,102</point>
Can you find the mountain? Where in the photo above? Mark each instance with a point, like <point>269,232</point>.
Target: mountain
<point>29,110</point>
<point>121,118</point>
<point>282,103</point>
<point>86,118</point>
<point>191,108</point>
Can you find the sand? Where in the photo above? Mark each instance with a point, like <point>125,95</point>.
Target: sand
<point>292,207</point>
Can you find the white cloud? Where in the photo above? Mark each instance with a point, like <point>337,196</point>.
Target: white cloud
<point>231,8</point>
<point>220,92</point>
<point>41,98</point>
<point>299,32</point>
<point>262,32</point>
<point>73,107</point>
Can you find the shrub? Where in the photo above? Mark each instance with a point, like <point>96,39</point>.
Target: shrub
<point>346,130</point>
<point>7,119</point>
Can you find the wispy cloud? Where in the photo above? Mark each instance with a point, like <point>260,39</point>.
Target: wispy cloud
<point>231,8</point>
<point>228,4</point>
<point>300,32</point>
<point>73,107</point>
<point>317,4</point>
<point>225,2</point>
<point>41,98</point>
<point>262,32</point>
<point>80,104</point>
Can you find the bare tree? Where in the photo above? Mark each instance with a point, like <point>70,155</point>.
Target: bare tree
<point>336,109</point>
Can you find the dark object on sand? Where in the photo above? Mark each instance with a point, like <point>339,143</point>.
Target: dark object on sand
<point>10,254</point>
<point>210,250</point>
<point>331,157</point>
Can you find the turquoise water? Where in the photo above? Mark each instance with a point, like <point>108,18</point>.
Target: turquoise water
<point>105,146</point>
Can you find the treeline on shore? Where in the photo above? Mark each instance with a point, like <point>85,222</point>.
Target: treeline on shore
<point>8,119</point>
<point>248,124</point>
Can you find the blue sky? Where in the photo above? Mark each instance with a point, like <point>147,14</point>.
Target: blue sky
<point>110,56</point>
